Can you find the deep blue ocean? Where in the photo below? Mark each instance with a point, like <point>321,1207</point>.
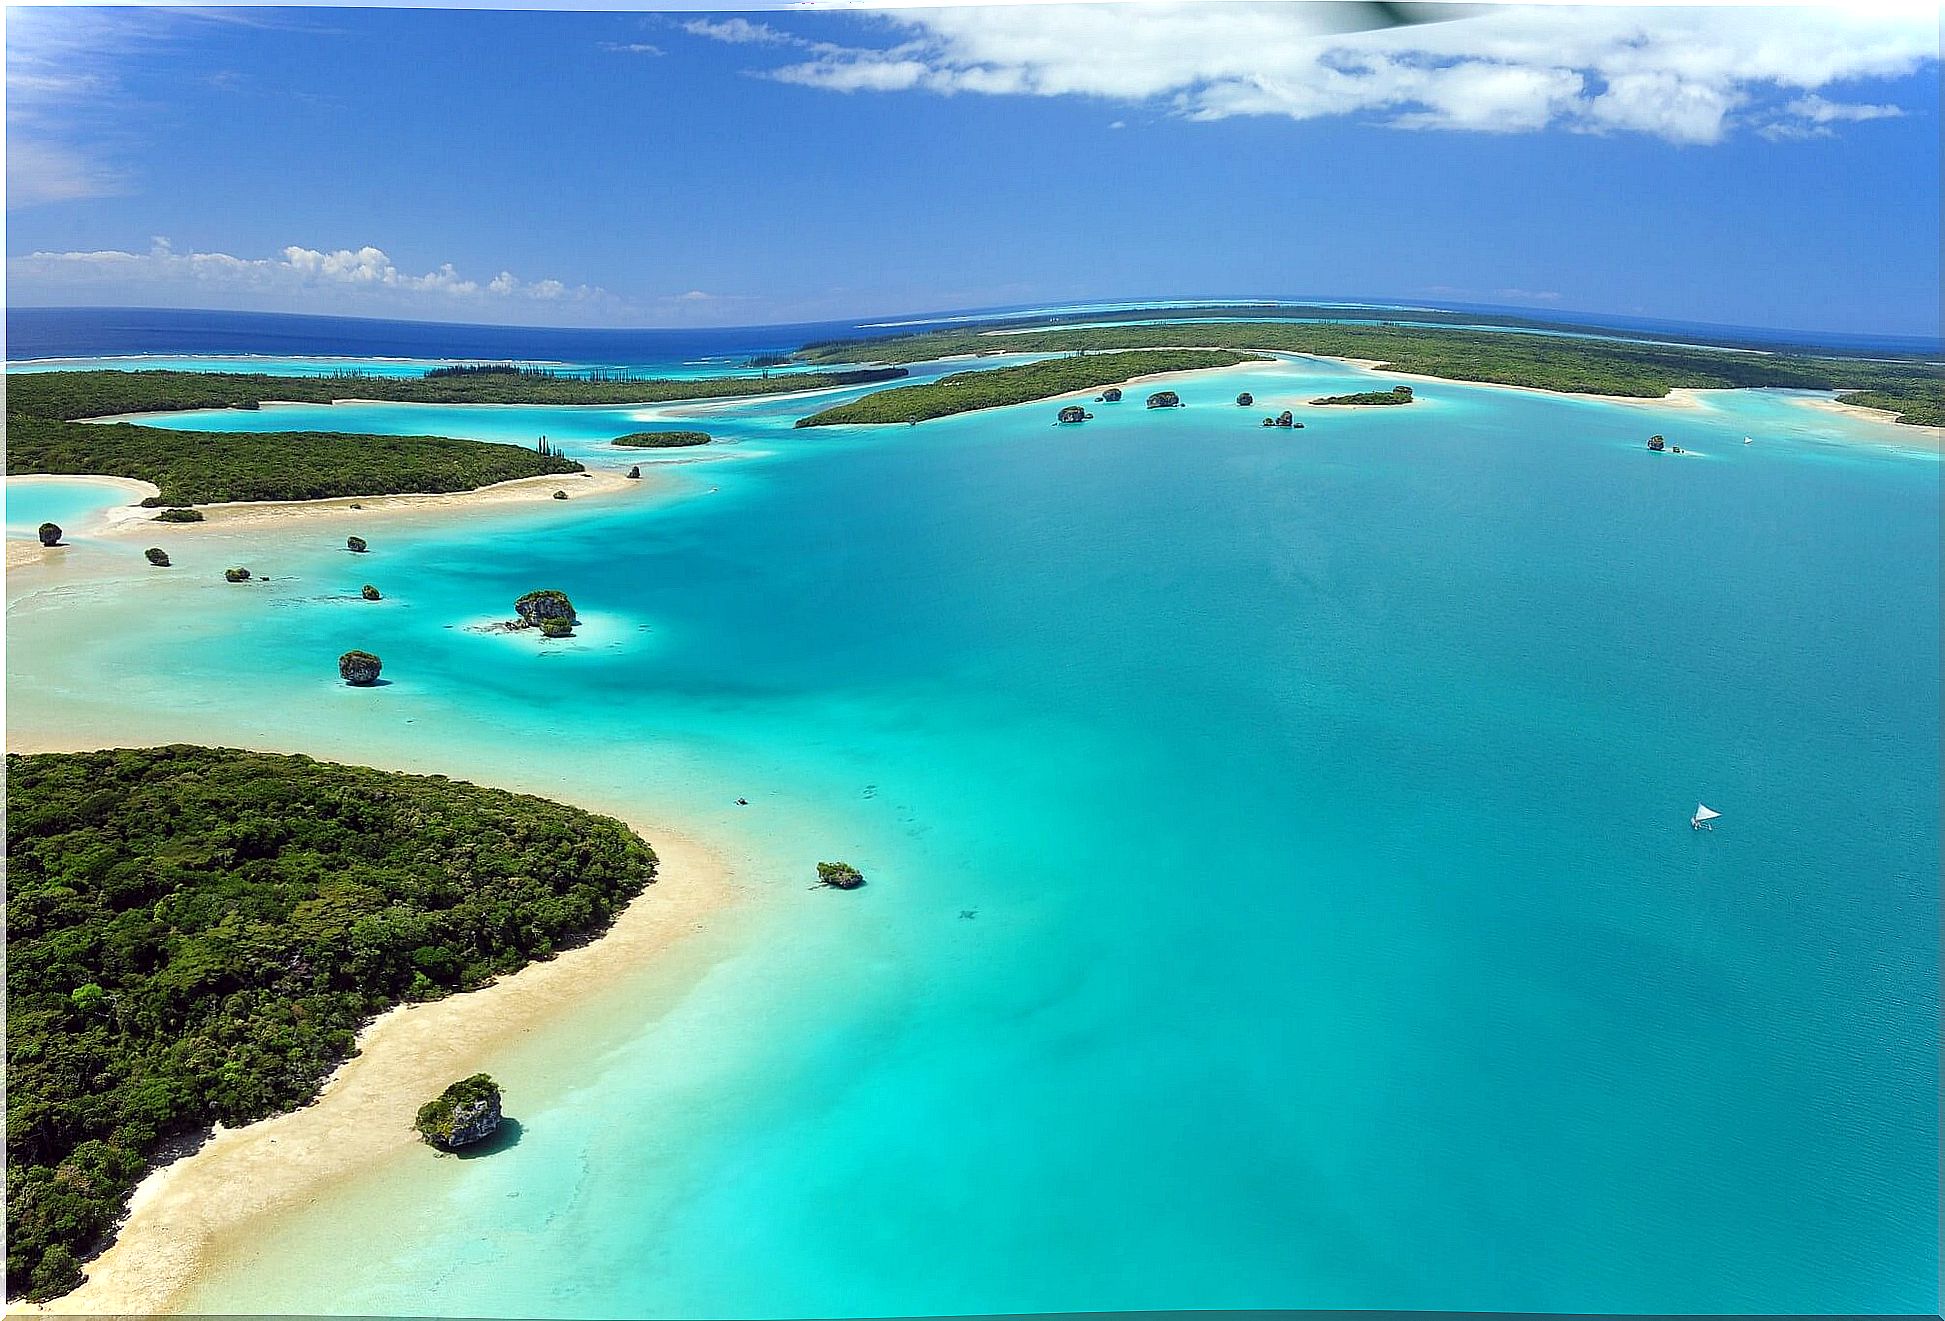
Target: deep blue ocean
<point>1282,887</point>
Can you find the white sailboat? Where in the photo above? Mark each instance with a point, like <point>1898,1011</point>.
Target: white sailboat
<point>1748,440</point>
<point>1703,815</point>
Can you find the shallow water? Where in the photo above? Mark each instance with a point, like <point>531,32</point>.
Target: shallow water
<point>1320,802</point>
<point>75,503</point>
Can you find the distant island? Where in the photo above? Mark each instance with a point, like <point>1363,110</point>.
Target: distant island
<point>1566,363</point>
<point>161,977</point>
<point>964,392</point>
<point>661,439</point>
<point>1397,394</point>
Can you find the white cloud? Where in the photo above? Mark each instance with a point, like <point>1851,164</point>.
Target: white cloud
<point>632,47</point>
<point>741,32</point>
<point>1685,75</point>
<point>344,279</point>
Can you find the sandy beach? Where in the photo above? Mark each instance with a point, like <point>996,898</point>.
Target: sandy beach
<point>133,520</point>
<point>183,1214</point>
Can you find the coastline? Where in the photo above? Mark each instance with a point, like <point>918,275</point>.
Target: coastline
<point>295,515</point>
<point>190,1212</point>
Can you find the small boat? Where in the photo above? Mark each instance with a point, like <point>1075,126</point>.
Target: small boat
<point>1748,440</point>
<point>1703,815</point>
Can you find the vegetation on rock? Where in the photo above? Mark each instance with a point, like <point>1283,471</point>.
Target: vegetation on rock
<point>1245,399</point>
<point>196,934</point>
<point>49,533</point>
<point>536,608</point>
<point>839,875</point>
<point>997,387</point>
<point>356,545</point>
<point>370,593</point>
<point>157,556</point>
<point>1164,399</point>
<point>236,575</point>
<point>359,668</point>
<point>465,1113</point>
<point>178,516</point>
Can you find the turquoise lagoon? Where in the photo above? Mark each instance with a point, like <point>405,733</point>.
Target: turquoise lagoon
<point>1281,894</point>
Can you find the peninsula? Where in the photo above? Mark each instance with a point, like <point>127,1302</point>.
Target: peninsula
<point>965,392</point>
<point>195,935</point>
<point>45,433</point>
<point>1912,387</point>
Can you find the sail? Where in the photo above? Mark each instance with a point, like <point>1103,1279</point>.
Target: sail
<point>1705,813</point>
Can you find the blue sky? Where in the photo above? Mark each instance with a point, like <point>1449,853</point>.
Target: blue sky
<point>1756,167</point>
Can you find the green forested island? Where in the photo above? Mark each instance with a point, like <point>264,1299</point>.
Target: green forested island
<point>202,467</point>
<point>661,439</point>
<point>962,392</point>
<point>1560,362</point>
<point>196,934</point>
<point>1397,394</point>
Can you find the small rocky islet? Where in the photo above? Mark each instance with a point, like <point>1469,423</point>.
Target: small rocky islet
<point>360,669</point>
<point>466,1113</point>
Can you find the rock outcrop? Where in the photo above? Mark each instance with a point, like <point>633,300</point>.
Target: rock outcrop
<point>359,668</point>
<point>236,575</point>
<point>560,495</point>
<point>179,516</point>
<point>356,545</point>
<point>536,608</point>
<point>839,875</point>
<point>1164,399</point>
<point>1245,399</point>
<point>1111,395</point>
<point>370,593</point>
<point>635,472</point>
<point>50,534</point>
<point>465,1113</point>
<point>157,556</point>
<point>1074,413</point>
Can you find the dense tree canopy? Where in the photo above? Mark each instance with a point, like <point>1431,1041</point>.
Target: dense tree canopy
<point>196,934</point>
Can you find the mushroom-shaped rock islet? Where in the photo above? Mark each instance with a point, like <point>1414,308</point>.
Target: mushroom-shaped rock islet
<point>1245,400</point>
<point>465,1113</point>
<point>537,608</point>
<point>839,875</point>
<point>1164,399</point>
<point>359,668</point>
<point>370,593</point>
<point>356,545</point>
<point>1111,395</point>
<point>157,556</point>
<point>50,534</point>
<point>1074,413</point>
<point>635,472</point>
<point>236,575</point>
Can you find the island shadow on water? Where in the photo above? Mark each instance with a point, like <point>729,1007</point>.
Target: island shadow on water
<point>507,1135</point>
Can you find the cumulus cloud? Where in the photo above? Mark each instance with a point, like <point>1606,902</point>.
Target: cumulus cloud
<point>1685,75</point>
<point>350,279</point>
